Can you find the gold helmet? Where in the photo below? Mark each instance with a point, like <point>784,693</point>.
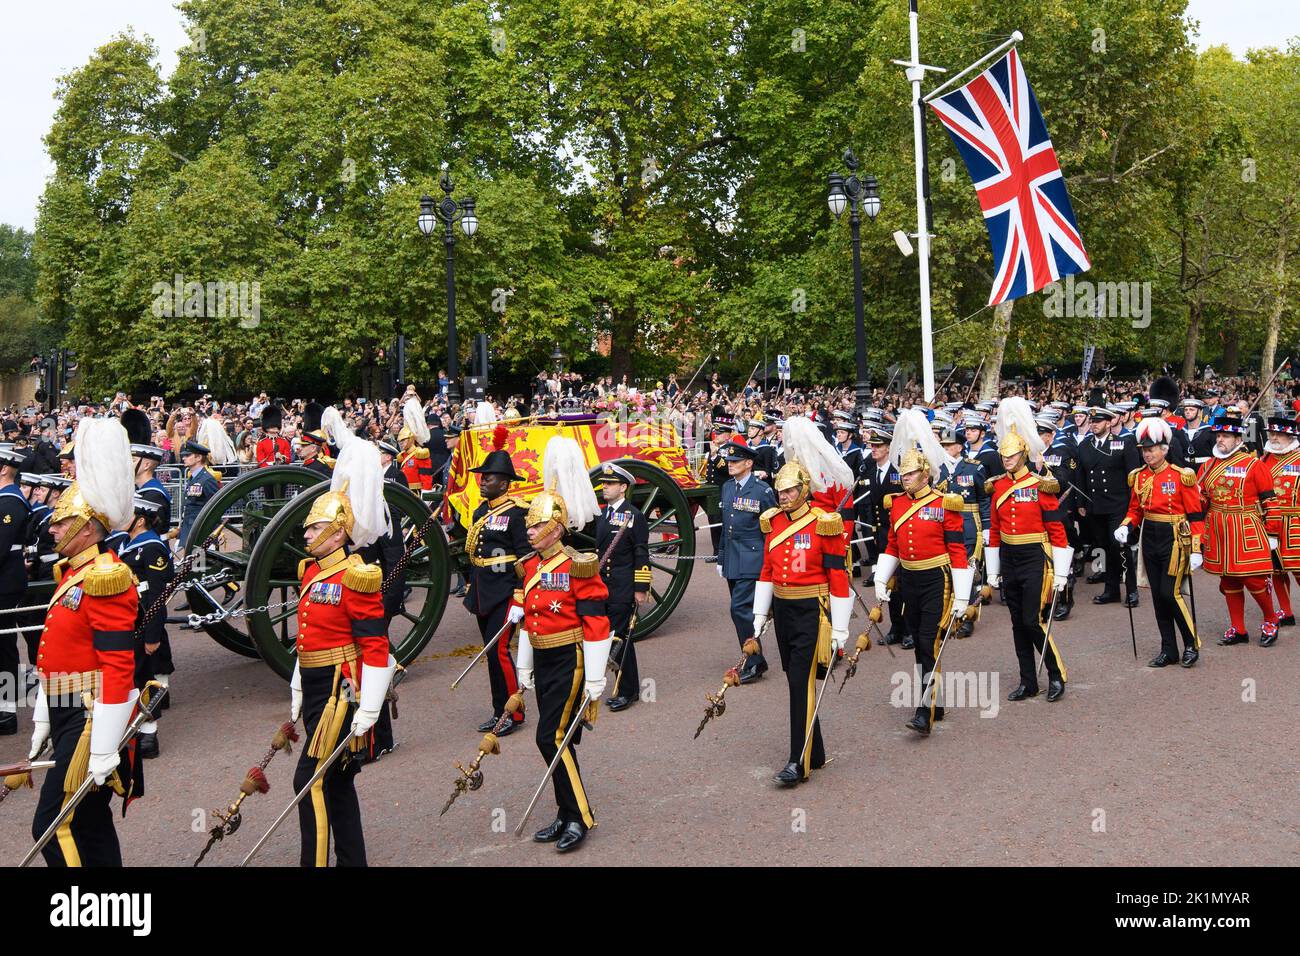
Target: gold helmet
<point>334,508</point>
<point>913,460</point>
<point>72,504</point>
<point>545,508</point>
<point>1012,443</point>
<point>793,475</point>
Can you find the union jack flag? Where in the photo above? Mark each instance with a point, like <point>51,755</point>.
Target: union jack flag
<point>997,127</point>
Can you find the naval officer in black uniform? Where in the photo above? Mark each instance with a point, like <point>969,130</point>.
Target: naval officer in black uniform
<point>626,573</point>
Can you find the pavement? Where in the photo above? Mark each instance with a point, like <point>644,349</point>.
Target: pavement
<point>1134,766</point>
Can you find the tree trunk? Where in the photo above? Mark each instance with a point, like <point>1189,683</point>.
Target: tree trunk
<point>1193,339</point>
<point>991,377</point>
<point>1274,327</point>
<point>1231,349</point>
<point>621,340</point>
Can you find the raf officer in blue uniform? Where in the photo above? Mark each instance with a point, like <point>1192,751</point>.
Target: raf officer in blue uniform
<point>200,485</point>
<point>961,475</point>
<point>740,546</point>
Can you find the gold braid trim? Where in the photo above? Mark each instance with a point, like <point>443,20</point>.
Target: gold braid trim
<point>765,519</point>
<point>582,565</point>
<point>830,523</point>
<point>107,577</point>
<point>363,578</point>
<point>954,503</point>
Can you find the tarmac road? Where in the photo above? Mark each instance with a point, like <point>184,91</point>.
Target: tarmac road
<point>1134,766</point>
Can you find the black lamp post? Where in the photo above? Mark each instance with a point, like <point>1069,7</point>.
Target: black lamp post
<point>860,196</point>
<point>449,212</point>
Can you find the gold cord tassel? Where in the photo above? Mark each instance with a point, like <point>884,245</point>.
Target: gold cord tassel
<point>327,728</point>
<point>80,764</point>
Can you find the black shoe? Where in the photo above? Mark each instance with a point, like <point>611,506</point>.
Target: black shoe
<point>1131,600</point>
<point>146,746</point>
<point>549,834</point>
<point>509,727</point>
<point>1190,656</point>
<point>1231,637</point>
<point>1288,621</point>
<point>488,724</point>
<point>1162,660</point>
<point>1062,611</point>
<point>920,723</point>
<point>909,642</point>
<point>1096,578</point>
<point>965,629</point>
<point>622,702</point>
<point>754,668</point>
<point>1104,598</point>
<point>570,837</point>
<point>893,637</point>
<point>459,592</point>
<point>1022,692</point>
<point>1267,634</point>
<point>790,775</point>
<point>1055,690</point>
<point>8,724</point>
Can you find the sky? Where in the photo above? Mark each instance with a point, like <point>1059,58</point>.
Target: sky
<point>42,41</point>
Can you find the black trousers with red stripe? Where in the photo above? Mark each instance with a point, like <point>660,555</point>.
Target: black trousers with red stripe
<point>558,675</point>
<point>502,677</point>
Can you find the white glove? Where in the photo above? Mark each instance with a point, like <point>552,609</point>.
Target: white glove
<point>986,537</point>
<point>1272,544</point>
<point>524,662</point>
<point>595,657</point>
<point>1121,534</point>
<point>41,730</point>
<point>1196,560</point>
<point>1061,561</point>
<point>993,566</point>
<point>762,604</point>
<point>841,610</point>
<point>295,694</point>
<point>515,615</point>
<point>885,567</point>
<point>963,579</point>
<point>108,727</point>
<point>720,574</point>
<point>374,688</point>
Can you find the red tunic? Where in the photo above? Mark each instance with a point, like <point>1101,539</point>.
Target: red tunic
<point>89,629</point>
<point>1169,491</point>
<point>1024,511</point>
<point>273,451</point>
<point>1236,542</point>
<point>416,468</point>
<point>560,595</point>
<point>1282,511</point>
<point>805,548</point>
<point>341,604</point>
<point>926,531</point>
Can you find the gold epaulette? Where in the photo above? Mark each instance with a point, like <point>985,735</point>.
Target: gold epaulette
<point>107,577</point>
<point>420,453</point>
<point>582,565</point>
<point>765,520</point>
<point>213,472</point>
<point>302,566</point>
<point>888,501</point>
<point>829,522</point>
<point>363,578</point>
<point>519,568</point>
<point>60,569</point>
<point>1133,476</point>
<point>1187,475</point>
<point>954,503</point>
<point>1049,484</point>
<point>988,486</point>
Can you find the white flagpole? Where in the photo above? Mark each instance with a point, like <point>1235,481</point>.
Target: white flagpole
<point>915,74</point>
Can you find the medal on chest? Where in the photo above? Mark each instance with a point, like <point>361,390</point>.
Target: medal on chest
<point>931,513</point>
<point>498,523</point>
<point>803,541</point>
<point>1025,495</point>
<point>322,592</point>
<point>71,598</point>
<point>554,581</point>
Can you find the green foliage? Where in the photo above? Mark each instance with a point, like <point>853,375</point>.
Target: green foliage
<point>654,173</point>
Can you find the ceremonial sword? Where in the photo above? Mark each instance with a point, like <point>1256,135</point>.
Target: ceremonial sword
<point>555,761</point>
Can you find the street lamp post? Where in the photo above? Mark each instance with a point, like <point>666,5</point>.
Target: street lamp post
<point>448,211</point>
<point>859,195</point>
